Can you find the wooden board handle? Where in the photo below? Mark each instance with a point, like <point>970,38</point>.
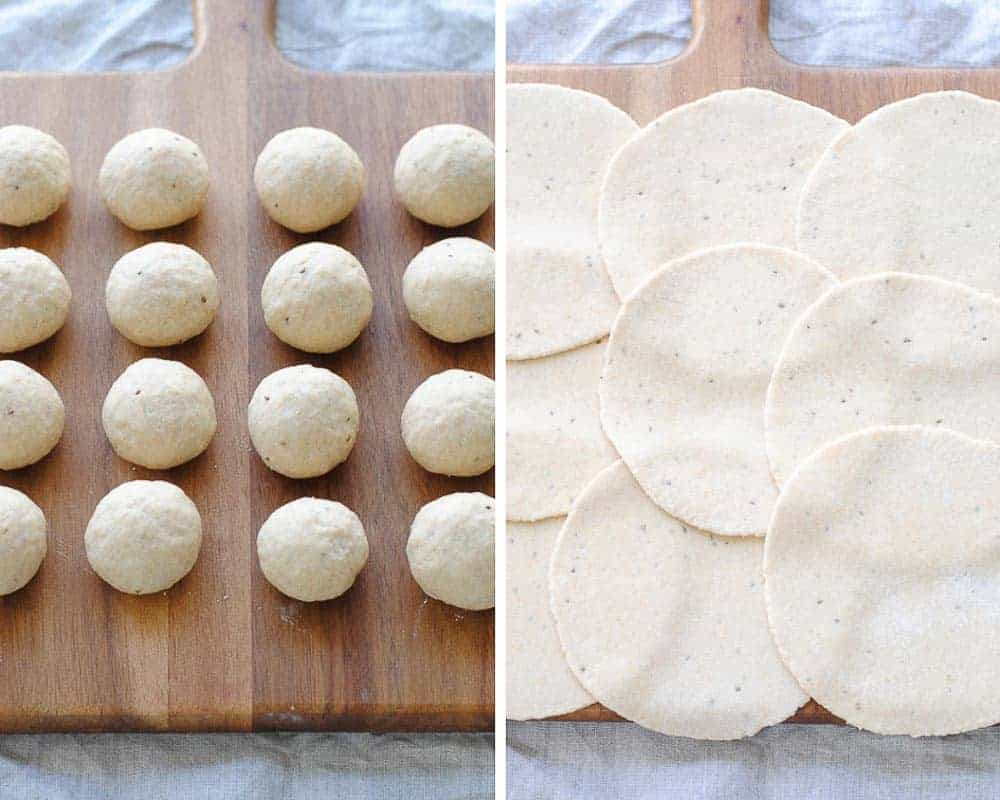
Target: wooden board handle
<point>732,34</point>
<point>222,26</point>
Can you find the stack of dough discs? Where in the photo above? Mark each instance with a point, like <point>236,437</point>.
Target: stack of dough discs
<point>35,298</point>
<point>688,366</point>
<point>883,580</point>
<point>911,187</point>
<point>32,416</point>
<point>889,349</point>
<point>665,624</point>
<point>22,540</point>
<point>726,168</point>
<point>34,175</point>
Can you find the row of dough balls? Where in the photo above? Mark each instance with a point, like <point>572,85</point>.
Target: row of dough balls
<point>145,536</point>
<point>307,178</point>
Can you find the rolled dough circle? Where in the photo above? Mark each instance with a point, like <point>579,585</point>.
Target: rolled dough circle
<point>22,540</point>
<point>665,624</point>
<point>32,416</point>
<point>448,289</point>
<point>154,178</point>
<point>143,537</point>
<point>159,414</point>
<point>451,550</point>
<point>308,179</point>
<point>303,421</point>
<point>736,160</point>
<point>34,175</point>
<point>888,349</point>
<point>910,187</point>
<point>447,423</point>
<point>312,549</point>
<point>882,567</point>
<point>444,175</point>
<point>161,294</point>
<point>316,297</point>
<point>35,297</point>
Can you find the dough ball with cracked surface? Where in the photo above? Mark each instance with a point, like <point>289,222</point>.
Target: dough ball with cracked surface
<point>34,296</point>
<point>308,179</point>
<point>34,175</point>
<point>444,175</point>
<point>449,287</point>
<point>22,540</point>
<point>32,416</point>
<point>143,537</point>
<point>317,297</point>
<point>312,549</point>
<point>303,421</point>
<point>159,414</point>
<point>154,178</point>
<point>451,549</point>
<point>161,294</point>
<point>448,423</point>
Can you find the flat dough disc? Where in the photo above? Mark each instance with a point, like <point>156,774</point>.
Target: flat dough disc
<point>688,366</point>
<point>555,444</point>
<point>914,186</point>
<point>539,681</point>
<point>665,624</point>
<point>888,349</point>
<point>726,168</point>
<point>559,143</point>
<point>882,568</point>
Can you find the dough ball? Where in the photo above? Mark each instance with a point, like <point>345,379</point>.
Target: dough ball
<point>22,540</point>
<point>303,421</point>
<point>34,296</point>
<point>34,175</point>
<point>159,414</point>
<point>154,178</point>
<point>444,175</point>
<point>144,536</point>
<point>31,416</point>
<point>161,294</point>
<point>317,298</point>
<point>308,179</point>
<point>448,289</point>
<point>448,423</point>
<point>312,549</point>
<point>451,550</point>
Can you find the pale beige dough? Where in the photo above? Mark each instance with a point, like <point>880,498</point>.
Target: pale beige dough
<point>34,175</point>
<point>726,168</point>
<point>308,179</point>
<point>451,550</point>
<point>34,296</point>
<point>303,421</point>
<point>23,542</point>
<point>154,178</point>
<point>143,537</point>
<point>448,423</point>
<point>312,549</point>
<point>161,294</point>
<point>159,414</point>
<point>32,416</point>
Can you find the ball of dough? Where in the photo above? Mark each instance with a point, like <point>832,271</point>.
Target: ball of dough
<point>154,178</point>
<point>448,423</point>
<point>448,289</point>
<point>22,540</point>
<point>34,296</point>
<point>34,175</point>
<point>144,536</point>
<point>159,414</point>
<point>303,421</point>
<point>312,549</point>
<point>451,549</point>
<point>444,175</point>
<point>161,294</point>
<point>32,416</point>
<point>308,179</point>
<point>317,298</point>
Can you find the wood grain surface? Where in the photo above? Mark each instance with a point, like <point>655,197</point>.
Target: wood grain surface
<point>222,650</point>
<point>729,49</point>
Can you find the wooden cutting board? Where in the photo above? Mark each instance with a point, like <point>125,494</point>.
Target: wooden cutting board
<point>222,650</point>
<point>729,49</point>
